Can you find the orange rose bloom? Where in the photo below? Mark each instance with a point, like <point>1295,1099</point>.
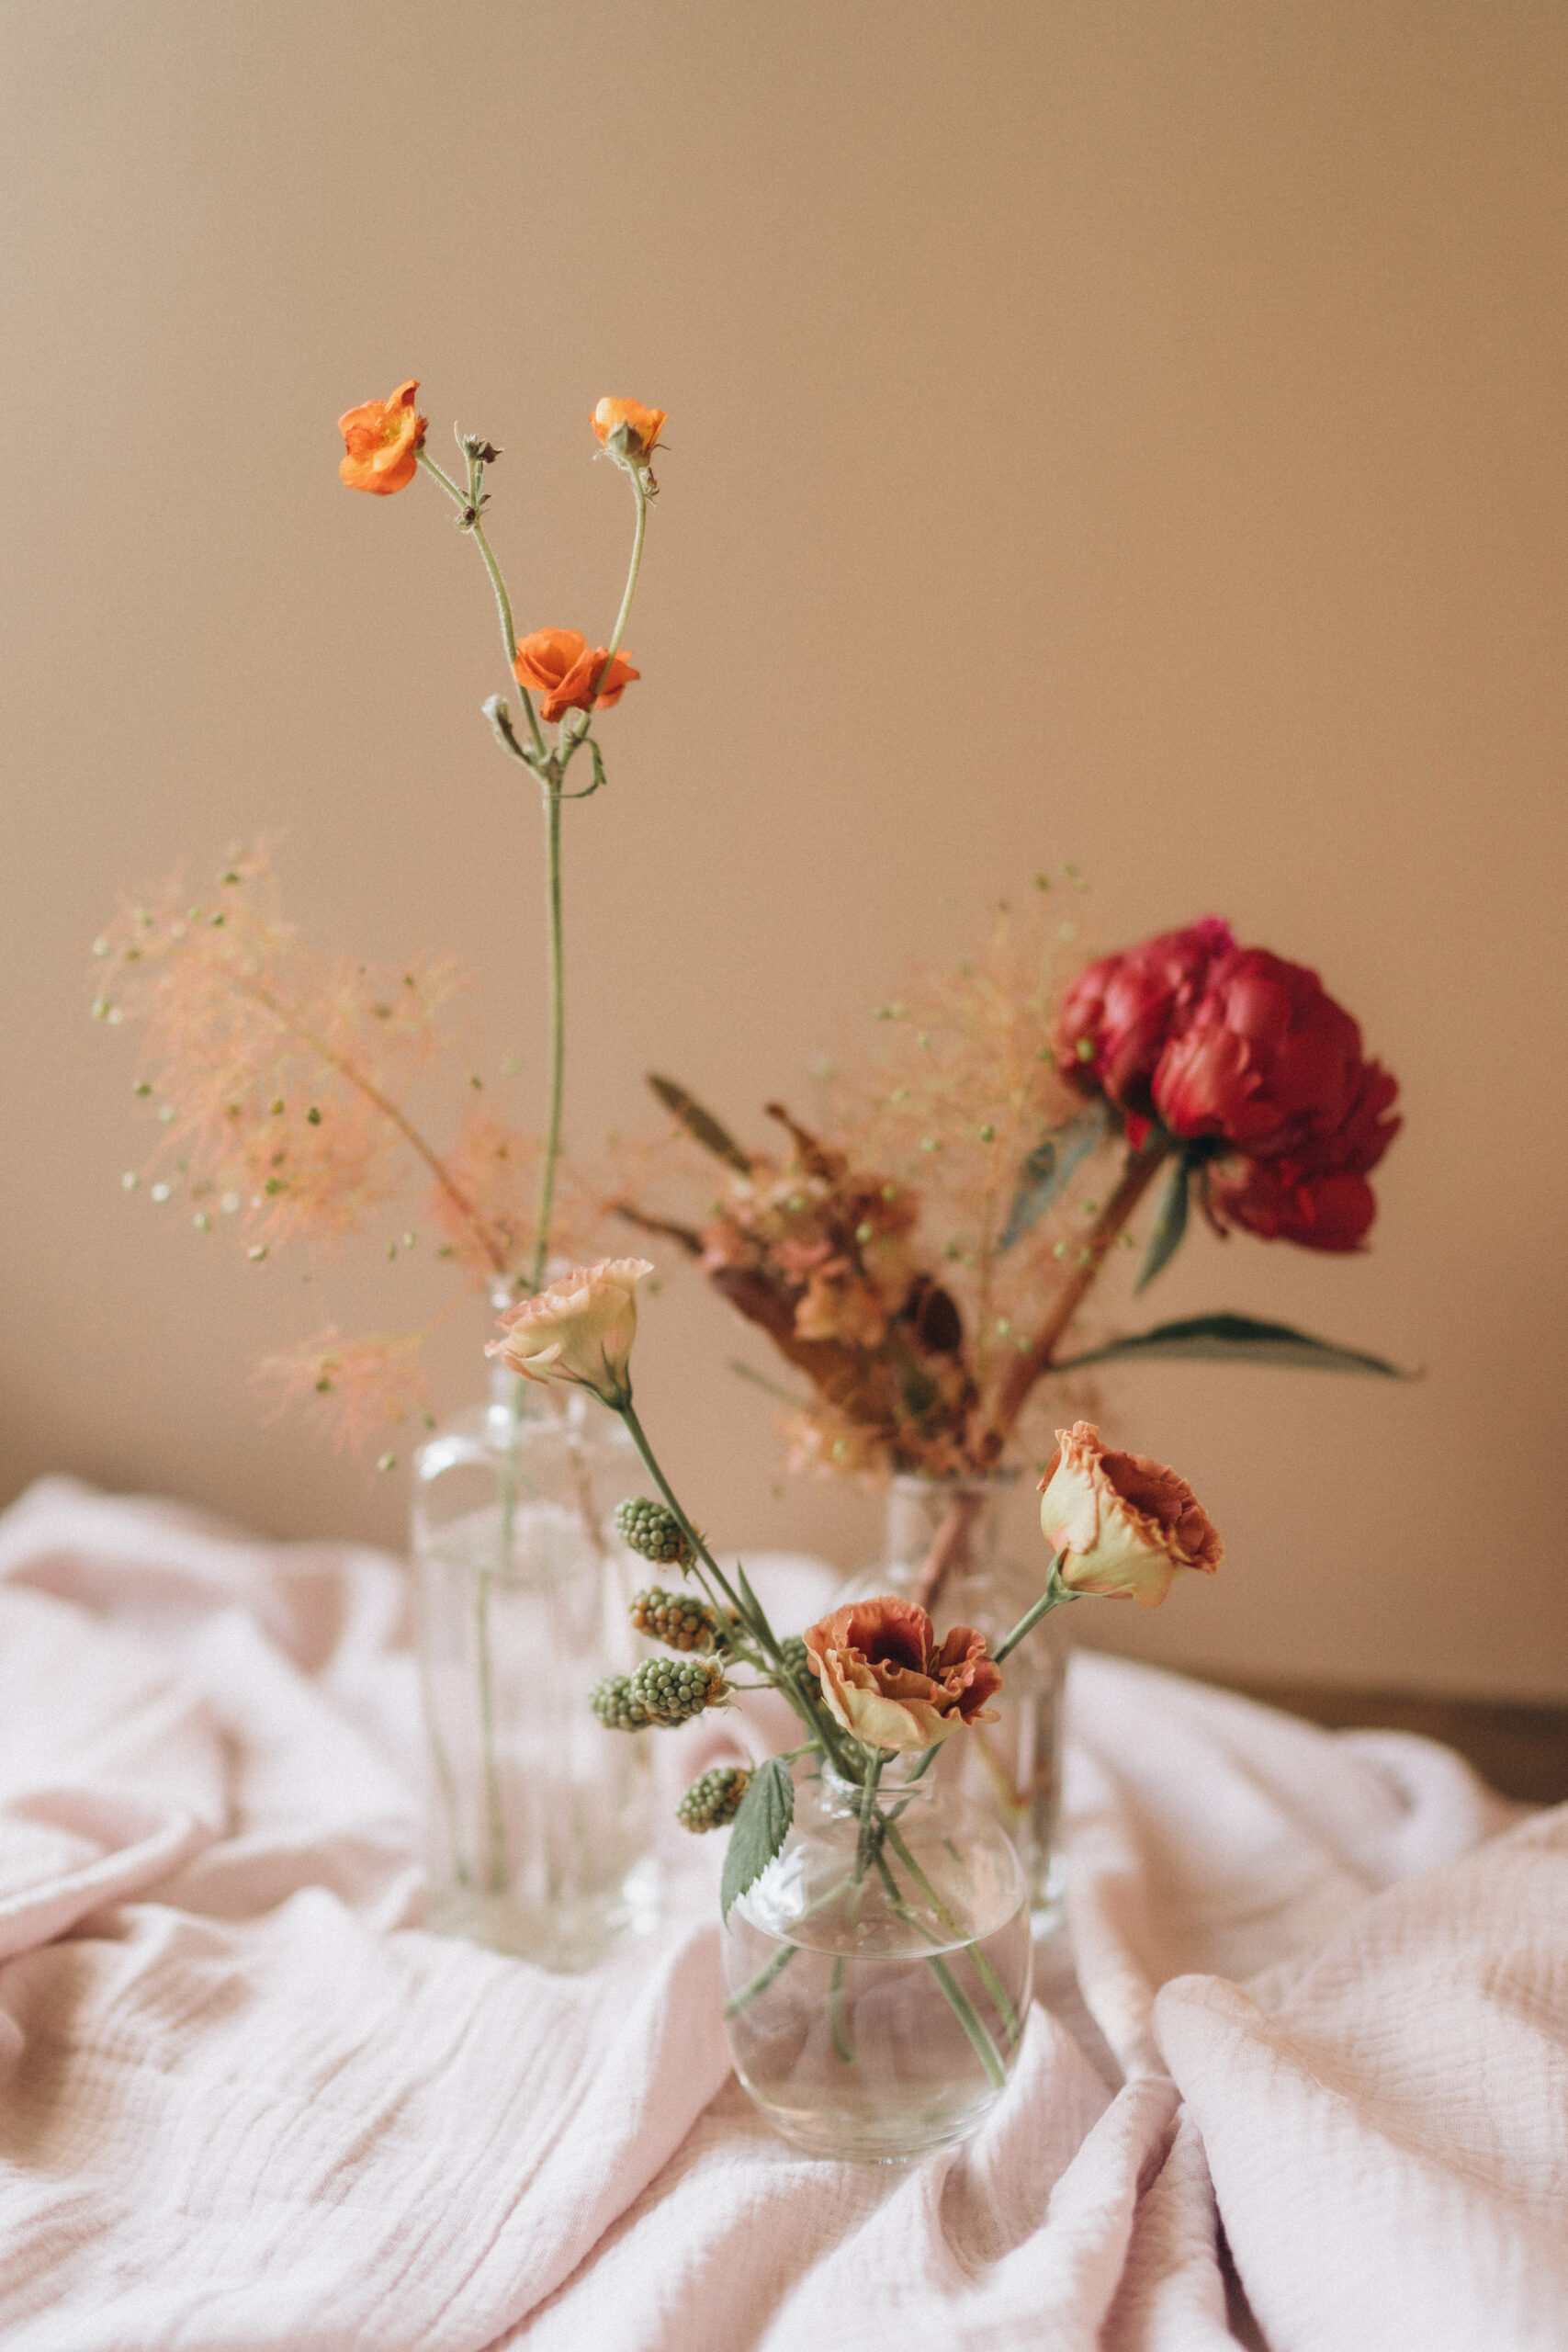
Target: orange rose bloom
<point>383,440</point>
<point>643,425</point>
<point>558,664</point>
<point>884,1679</point>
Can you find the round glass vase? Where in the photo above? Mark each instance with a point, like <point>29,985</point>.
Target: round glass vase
<point>942,1548</point>
<point>877,1975</point>
<point>540,1823</point>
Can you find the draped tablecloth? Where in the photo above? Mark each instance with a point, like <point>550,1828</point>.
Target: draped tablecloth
<point>1308,2087</point>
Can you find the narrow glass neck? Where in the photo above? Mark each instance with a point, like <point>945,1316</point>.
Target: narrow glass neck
<point>942,1529</point>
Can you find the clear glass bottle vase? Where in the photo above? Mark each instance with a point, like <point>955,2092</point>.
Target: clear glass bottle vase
<point>942,1548</point>
<point>877,1975</point>
<point>540,1823</point>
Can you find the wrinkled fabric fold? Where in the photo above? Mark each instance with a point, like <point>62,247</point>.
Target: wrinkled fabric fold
<point>1308,2087</point>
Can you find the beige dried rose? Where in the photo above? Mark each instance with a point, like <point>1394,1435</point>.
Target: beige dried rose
<point>886,1682</point>
<point>577,1329</point>
<point>1125,1525</point>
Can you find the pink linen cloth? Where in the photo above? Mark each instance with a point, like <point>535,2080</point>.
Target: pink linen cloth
<point>1308,2088</point>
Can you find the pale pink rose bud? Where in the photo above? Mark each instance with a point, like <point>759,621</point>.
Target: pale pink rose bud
<point>1123,1523</point>
<point>578,1328</point>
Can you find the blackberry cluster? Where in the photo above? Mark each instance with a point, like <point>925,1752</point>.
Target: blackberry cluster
<point>714,1800</point>
<point>653,1531</point>
<point>679,1620</point>
<point>661,1690</point>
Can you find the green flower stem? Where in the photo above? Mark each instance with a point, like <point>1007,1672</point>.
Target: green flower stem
<point>987,1974</point>
<point>495,1815</point>
<point>843,2048</point>
<point>968,2018</point>
<point>752,1617</point>
<point>1054,1594</point>
<point>867,1842</point>
<point>571,741</point>
<point>958,2000</point>
<point>545,1207</point>
<point>756,1985</point>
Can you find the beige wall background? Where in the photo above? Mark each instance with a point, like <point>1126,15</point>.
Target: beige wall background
<point>1123,434</point>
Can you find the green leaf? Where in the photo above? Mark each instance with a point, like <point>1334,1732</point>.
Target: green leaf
<point>761,1827</point>
<point>1048,1169</point>
<point>1171,1222</point>
<point>699,1124</point>
<point>1236,1339</point>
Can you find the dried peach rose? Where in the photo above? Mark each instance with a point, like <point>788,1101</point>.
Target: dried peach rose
<point>1125,1525</point>
<point>383,439</point>
<point>578,1328</point>
<point>885,1681</point>
<point>558,664</point>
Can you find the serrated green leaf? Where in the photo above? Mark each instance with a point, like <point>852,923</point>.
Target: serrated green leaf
<point>700,1124</point>
<point>761,1826</point>
<point>1050,1166</point>
<point>1236,1339</point>
<point>1170,1224</point>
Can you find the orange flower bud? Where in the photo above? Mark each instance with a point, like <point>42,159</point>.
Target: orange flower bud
<point>558,664</point>
<point>383,439</point>
<point>643,425</point>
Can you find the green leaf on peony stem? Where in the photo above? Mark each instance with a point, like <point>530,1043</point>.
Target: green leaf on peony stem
<point>762,1824</point>
<point>1236,1339</point>
<point>1049,1167</point>
<point>1170,1224</point>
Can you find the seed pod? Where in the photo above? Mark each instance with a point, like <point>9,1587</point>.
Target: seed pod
<point>714,1800</point>
<point>652,1530</point>
<point>681,1621</point>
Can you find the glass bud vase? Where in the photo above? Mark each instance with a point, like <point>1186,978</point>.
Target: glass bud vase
<point>540,1822</point>
<point>877,1975</point>
<point>942,1548</point>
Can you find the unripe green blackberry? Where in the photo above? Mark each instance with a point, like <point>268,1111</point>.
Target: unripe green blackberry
<point>652,1530</point>
<point>715,1800</point>
<point>795,1658</point>
<point>661,1690</point>
<point>679,1620</point>
<point>611,1700</point>
<point>673,1689</point>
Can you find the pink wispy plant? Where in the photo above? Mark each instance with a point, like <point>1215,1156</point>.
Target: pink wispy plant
<point>310,1098</point>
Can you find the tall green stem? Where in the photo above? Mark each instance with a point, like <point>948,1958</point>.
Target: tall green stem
<point>1053,1596</point>
<point>570,741</point>
<point>551,790</point>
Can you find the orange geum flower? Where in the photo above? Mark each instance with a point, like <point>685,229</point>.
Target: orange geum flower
<point>383,439</point>
<point>643,425</point>
<point>558,664</point>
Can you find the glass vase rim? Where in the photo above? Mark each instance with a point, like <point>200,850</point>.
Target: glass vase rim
<point>836,1785</point>
<point>999,1481</point>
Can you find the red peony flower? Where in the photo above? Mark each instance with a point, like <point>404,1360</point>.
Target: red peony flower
<point>1118,1016</point>
<point>1267,1062</point>
<point>887,1681</point>
<point>1319,1198</point>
